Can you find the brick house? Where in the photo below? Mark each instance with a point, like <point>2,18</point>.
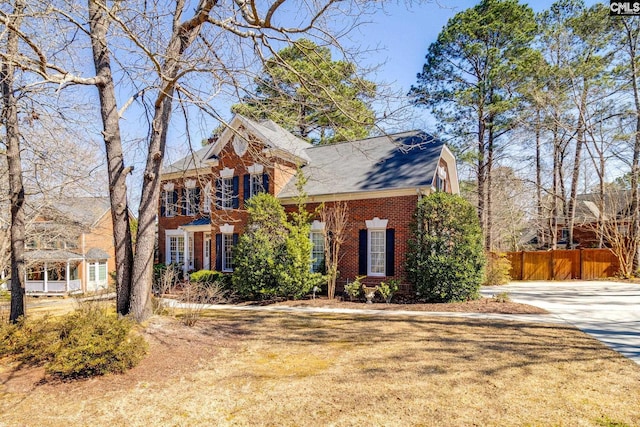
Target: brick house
<point>380,179</point>
<point>69,246</point>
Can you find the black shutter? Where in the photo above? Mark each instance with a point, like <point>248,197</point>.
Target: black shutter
<point>236,185</point>
<point>265,182</point>
<point>247,186</point>
<point>174,208</point>
<point>219,193</point>
<point>218,252</point>
<point>163,204</point>
<point>390,253</point>
<point>362,252</point>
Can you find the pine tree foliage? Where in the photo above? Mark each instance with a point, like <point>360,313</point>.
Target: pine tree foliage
<point>313,96</point>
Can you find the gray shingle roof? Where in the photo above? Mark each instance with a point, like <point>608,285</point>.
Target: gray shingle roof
<point>398,161</point>
<point>278,137</point>
<point>51,255</point>
<point>82,210</point>
<point>97,254</point>
<point>195,160</point>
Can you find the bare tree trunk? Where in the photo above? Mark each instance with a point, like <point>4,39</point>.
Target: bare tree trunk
<point>542,235</point>
<point>482,174</point>
<point>98,25</point>
<point>488,245</point>
<point>182,37</point>
<point>554,199</point>
<point>634,231</point>
<point>575,175</point>
<point>14,162</point>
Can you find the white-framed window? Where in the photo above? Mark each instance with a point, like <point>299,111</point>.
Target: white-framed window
<point>255,184</point>
<point>226,193</point>
<point>227,252</point>
<point>376,246</point>
<point>175,247</point>
<point>98,271</point>
<point>206,205</point>
<point>191,202</point>
<point>377,253</point>
<point>317,250</point>
<point>168,200</point>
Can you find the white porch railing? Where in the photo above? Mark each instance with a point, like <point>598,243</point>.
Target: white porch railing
<point>53,286</point>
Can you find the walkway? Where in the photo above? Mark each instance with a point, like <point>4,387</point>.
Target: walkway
<point>608,311</point>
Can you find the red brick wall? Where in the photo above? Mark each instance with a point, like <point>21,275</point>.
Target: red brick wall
<point>399,212</point>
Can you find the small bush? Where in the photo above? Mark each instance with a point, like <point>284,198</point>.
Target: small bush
<point>502,297</point>
<point>165,278</point>
<point>94,342</point>
<point>354,288</point>
<point>28,341</point>
<point>497,271</point>
<point>85,343</point>
<point>205,276</point>
<point>194,297</point>
<point>387,290</point>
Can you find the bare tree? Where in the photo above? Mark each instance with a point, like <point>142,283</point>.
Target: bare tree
<point>16,188</point>
<point>335,224</point>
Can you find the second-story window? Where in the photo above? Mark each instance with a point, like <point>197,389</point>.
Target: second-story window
<point>227,190</point>
<point>191,201</point>
<point>227,193</point>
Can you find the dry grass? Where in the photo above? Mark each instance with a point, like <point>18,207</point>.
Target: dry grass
<point>239,368</point>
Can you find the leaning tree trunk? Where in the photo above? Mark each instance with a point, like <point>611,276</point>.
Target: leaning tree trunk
<point>14,163</point>
<point>182,37</point>
<point>98,25</point>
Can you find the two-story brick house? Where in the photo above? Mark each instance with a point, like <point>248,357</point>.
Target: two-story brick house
<point>380,179</point>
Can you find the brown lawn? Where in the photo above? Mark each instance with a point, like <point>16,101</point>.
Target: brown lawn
<point>266,369</point>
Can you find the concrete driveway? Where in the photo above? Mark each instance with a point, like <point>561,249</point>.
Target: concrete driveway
<point>608,311</point>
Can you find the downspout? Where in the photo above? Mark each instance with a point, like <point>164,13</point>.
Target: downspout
<point>83,282</point>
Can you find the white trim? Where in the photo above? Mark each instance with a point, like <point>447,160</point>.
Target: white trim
<point>384,261</point>
<point>317,226</point>
<point>226,229</point>
<point>359,195</point>
<point>226,173</point>
<point>377,223</point>
<point>206,252</point>
<point>224,267</point>
<point>255,169</point>
<point>190,183</point>
<point>169,186</point>
<point>167,243</point>
<point>207,198</point>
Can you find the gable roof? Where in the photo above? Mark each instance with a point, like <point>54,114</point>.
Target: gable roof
<point>268,132</point>
<point>616,204</point>
<point>84,211</point>
<point>398,161</point>
<point>195,160</point>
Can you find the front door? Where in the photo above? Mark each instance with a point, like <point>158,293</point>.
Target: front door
<point>206,252</point>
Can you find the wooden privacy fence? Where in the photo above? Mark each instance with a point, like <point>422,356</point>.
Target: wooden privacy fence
<point>567,264</point>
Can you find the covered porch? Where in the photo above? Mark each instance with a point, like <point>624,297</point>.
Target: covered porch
<point>53,272</point>
<point>190,245</point>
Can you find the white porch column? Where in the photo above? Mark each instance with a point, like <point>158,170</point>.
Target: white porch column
<point>46,277</point>
<point>66,289</point>
<point>186,252</point>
